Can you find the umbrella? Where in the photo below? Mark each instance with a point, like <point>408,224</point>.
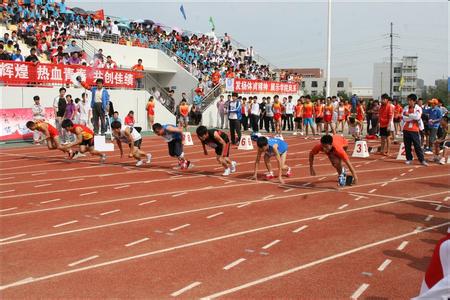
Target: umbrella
<point>148,22</point>
<point>71,49</point>
<point>69,12</point>
<point>79,11</point>
<point>126,26</point>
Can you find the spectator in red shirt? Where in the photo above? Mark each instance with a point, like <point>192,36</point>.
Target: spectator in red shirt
<point>386,121</point>
<point>110,64</point>
<point>129,119</point>
<point>140,75</point>
<point>216,77</point>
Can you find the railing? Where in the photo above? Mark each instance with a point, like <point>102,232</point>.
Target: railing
<point>209,98</point>
<point>87,47</point>
<point>157,91</point>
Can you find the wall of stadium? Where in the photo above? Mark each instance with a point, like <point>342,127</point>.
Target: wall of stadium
<point>123,101</point>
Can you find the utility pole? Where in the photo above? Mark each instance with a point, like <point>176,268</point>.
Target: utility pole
<point>392,57</point>
<point>329,51</point>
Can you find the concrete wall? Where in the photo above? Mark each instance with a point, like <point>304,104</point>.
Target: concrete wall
<point>123,100</point>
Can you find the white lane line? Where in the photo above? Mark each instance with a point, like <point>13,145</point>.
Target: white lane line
<point>82,260</point>
<point>91,193</point>
<point>428,218</point>
<point>78,179</point>
<point>42,185</point>
<point>180,194</point>
<point>395,178</point>
<point>180,227</point>
<point>288,190</point>
<point>410,170</point>
<point>360,291</point>
<point>243,205</point>
<point>372,191</point>
<point>403,174</point>
<point>8,209</point>
<point>49,201</point>
<point>234,263</point>
<point>300,229</point>
<point>20,282</point>
<point>7,178</point>
<point>185,289</point>
<point>343,206</point>
<point>438,207</point>
<point>64,224</point>
<point>8,191</point>
<point>357,166</point>
<point>385,184</point>
<point>12,237</point>
<point>270,244</point>
<point>402,245</point>
<point>322,178</point>
<point>268,197</point>
<point>121,187</point>
<point>148,202</point>
<point>214,215</point>
<point>109,212</point>
<point>227,182</point>
<point>384,265</point>
<point>306,184</point>
<point>418,229</point>
<point>322,217</point>
<point>137,242</point>
<point>36,174</point>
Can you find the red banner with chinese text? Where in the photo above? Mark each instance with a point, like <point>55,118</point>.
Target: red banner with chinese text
<point>23,73</point>
<point>259,86</point>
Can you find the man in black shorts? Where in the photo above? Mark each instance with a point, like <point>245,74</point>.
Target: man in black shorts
<point>221,143</point>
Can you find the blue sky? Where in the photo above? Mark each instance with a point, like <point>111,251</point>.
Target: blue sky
<point>293,33</point>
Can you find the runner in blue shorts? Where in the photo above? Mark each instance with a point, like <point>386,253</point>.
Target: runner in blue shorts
<point>272,147</point>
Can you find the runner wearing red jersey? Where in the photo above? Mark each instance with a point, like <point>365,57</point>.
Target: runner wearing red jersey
<point>51,134</point>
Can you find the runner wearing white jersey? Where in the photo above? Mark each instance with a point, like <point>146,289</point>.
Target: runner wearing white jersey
<point>129,135</point>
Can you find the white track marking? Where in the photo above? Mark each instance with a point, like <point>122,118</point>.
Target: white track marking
<point>270,244</point>
<point>288,190</point>
<point>300,229</point>
<point>7,178</point>
<point>343,206</point>
<point>66,223</point>
<point>268,197</point>
<point>360,291</point>
<point>109,212</point>
<point>322,178</point>
<point>20,282</point>
<point>37,174</point>
<point>137,242</point>
<point>410,170</point>
<point>385,184</point>
<point>243,205</point>
<point>403,174</point>
<point>50,201</point>
<point>8,191</point>
<point>179,227</point>
<point>418,228</point>
<point>372,191</point>
<point>82,260</point>
<point>395,178</point>
<point>78,179</point>
<point>438,207</point>
<point>148,202</point>
<point>228,182</point>
<point>8,209</point>
<point>314,263</point>
<point>42,185</point>
<point>185,289</point>
<point>12,237</point>
<point>91,193</point>
<point>234,263</point>
<point>214,215</point>
<point>322,217</point>
<point>121,187</point>
<point>179,194</point>
<point>428,218</point>
<point>357,166</point>
<point>306,184</point>
<point>384,265</point>
<point>402,245</point>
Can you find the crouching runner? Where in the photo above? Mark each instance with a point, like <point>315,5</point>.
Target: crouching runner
<point>219,141</point>
<point>50,132</point>
<point>173,136</point>
<point>129,135</point>
<point>272,147</point>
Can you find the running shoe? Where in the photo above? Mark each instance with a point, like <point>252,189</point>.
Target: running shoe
<point>294,133</point>
<point>227,172</point>
<point>289,172</point>
<point>77,154</point>
<point>442,161</point>
<point>424,163</point>
<point>139,163</point>
<point>149,158</point>
<point>342,179</point>
<point>269,176</point>
<point>408,162</point>
<point>233,166</point>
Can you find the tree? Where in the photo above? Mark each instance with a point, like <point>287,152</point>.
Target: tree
<point>439,91</point>
<point>343,96</point>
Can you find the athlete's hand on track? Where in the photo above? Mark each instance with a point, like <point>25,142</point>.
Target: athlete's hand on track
<point>130,155</point>
<point>355,180</point>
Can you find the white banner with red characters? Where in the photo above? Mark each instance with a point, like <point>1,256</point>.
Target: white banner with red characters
<point>248,86</point>
<point>23,73</point>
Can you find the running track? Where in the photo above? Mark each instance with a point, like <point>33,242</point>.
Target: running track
<point>80,229</point>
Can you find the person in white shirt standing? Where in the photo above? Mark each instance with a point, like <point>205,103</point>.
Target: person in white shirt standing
<point>289,114</point>
<point>85,111</point>
<point>255,111</point>
<point>38,115</point>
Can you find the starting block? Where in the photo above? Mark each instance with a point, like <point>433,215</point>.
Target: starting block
<point>245,143</point>
<point>188,139</point>
<point>361,150</point>
<point>401,152</point>
<point>100,144</point>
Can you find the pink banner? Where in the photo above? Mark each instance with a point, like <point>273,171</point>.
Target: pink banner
<point>23,73</point>
<point>259,86</point>
<point>13,121</point>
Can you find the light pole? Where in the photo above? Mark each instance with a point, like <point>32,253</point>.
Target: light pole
<point>329,51</point>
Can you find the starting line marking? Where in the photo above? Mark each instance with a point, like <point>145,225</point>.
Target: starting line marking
<point>7,209</point>
<point>385,184</point>
<point>180,227</point>
<point>343,206</point>
<point>395,178</point>
<point>109,212</point>
<point>300,229</point>
<point>12,237</point>
<point>372,191</point>
<point>214,215</point>
<point>384,265</point>
<point>410,170</point>
<point>242,205</point>
<point>288,190</point>
<point>49,201</point>
<point>82,260</point>
<point>270,244</point>
<point>360,291</point>
<point>121,187</point>
<point>187,288</point>
<point>268,197</point>
<point>234,263</point>
<point>180,194</point>
<point>428,218</point>
<point>148,202</point>
<point>137,242</point>
<point>402,245</point>
<point>403,174</point>
<point>322,217</point>
<point>91,193</point>
<point>64,224</point>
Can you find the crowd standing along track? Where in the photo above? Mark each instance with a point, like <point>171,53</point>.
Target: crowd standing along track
<point>77,229</point>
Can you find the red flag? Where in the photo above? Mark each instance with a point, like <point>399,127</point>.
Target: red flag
<point>99,15</point>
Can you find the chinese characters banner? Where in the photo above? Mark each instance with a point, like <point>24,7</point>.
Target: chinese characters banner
<point>260,86</point>
<point>21,73</point>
